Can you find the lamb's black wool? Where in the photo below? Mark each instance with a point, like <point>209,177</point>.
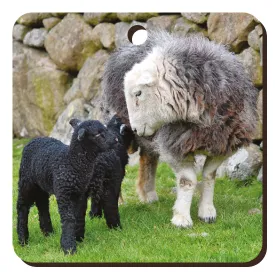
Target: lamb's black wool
<point>109,173</point>
<point>50,167</point>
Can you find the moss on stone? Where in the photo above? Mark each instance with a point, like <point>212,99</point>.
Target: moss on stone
<point>45,101</point>
<point>96,18</point>
<point>89,49</point>
<point>129,17</point>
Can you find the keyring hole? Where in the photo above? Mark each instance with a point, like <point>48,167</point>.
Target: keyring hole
<point>137,35</point>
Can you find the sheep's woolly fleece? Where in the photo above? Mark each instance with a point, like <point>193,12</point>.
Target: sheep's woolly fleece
<point>195,94</point>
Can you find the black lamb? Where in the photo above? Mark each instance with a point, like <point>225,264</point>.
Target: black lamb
<point>50,167</point>
<point>110,171</point>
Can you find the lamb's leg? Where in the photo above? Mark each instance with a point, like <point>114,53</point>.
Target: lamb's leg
<point>96,186</point>
<point>186,184</point>
<point>96,209</point>
<point>207,211</point>
<point>23,208</point>
<point>110,208</point>
<point>80,218</point>
<point>24,202</point>
<point>42,203</point>
<point>146,181</point>
<point>66,208</point>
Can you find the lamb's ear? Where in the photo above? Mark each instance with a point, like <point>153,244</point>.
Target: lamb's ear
<point>146,78</point>
<point>81,134</point>
<point>122,129</point>
<point>74,122</point>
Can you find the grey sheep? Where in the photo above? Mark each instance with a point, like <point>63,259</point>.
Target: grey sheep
<point>183,96</point>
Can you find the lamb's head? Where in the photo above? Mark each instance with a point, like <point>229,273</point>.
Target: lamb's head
<point>122,130</point>
<point>92,136</point>
<point>147,96</point>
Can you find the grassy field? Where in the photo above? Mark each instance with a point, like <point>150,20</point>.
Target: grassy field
<point>148,235</point>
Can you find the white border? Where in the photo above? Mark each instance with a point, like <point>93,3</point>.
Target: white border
<point>11,10</point>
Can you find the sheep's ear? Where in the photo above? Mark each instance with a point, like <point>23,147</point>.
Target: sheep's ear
<point>81,134</point>
<point>146,79</point>
<point>74,122</point>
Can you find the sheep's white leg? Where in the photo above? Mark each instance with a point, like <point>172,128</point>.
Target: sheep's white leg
<point>146,182</point>
<point>207,210</point>
<point>186,184</point>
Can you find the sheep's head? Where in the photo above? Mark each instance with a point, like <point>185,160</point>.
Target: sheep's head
<point>92,135</point>
<point>146,97</point>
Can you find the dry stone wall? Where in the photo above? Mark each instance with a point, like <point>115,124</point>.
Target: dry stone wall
<point>58,60</point>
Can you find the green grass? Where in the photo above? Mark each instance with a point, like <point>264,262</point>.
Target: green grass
<point>148,235</point>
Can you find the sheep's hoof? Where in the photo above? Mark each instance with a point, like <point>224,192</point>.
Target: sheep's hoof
<point>208,219</point>
<point>47,233</point>
<point>182,221</point>
<point>69,251</point>
<point>115,226</point>
<point>207,213</point>
<point>23,242</point>
<point>79,238</point>
<point>152,196</point>
<point>95,215</point>
<point>147,197</point>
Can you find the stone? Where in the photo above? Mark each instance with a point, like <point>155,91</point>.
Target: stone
<point>19,32</point>
<point>73,92</point>
<point>94,107</point>
<point>183,27</point>
<point>198,17</point>
<point>245,163</point>
<point>261,51</point>
<point>71,42</point>
<point>121,34</point>
<point>38,91</point>
<point>259,29</point>
<point>194,235</point>
<point>59,14</point>
<point>88,82</point>
<point>254,40</point>
<point>129,17</point>
<point>260,175</point>
<point>259,131</point>
<point>251,60</point>
<point>164,22</point>
<point>254,211</point>
<point>79,109</point>
<point>33,19</point>
<point>230,29</point>
<point>106,34</point>
<point>24,133</point>
<point>35,38</point>
<point>96,18</point>
<point>62,129</point>
<point>49,23</point>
